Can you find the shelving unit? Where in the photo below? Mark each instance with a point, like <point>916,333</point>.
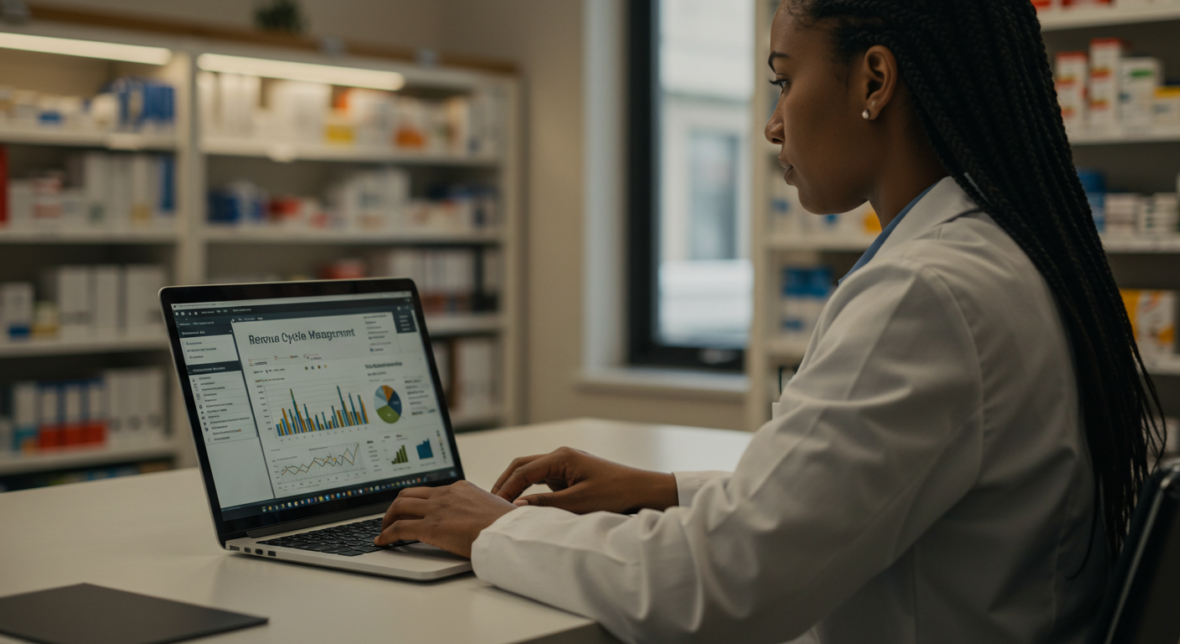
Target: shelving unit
<point>276,235</point>
<point>1145,160</point>
<point>123,141</point>
<point>110,344</point>
<point>288,152</point>
<point>187,249</point>
<point>1059,20</point>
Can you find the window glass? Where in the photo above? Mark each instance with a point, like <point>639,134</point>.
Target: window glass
<point>705,279</point>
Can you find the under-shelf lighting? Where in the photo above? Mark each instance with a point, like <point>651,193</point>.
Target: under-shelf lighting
<point>330,74</point>
<point>86,48</point>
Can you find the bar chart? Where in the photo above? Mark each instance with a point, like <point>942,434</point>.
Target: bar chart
<point>400,456</point>
<point>424,450</point>
<point>298,419</point>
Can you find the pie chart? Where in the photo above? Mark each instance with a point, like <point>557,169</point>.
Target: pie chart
<point>389,406</point>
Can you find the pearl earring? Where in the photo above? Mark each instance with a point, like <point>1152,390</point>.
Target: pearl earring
<point>868,116</point>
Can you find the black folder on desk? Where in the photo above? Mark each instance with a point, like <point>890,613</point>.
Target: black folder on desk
<point>88,614</point>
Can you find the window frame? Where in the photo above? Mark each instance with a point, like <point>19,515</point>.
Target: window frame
<point>643,207</point>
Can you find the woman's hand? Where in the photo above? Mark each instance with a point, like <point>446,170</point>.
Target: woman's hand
<point>449,517</point>
<point>583,483</point>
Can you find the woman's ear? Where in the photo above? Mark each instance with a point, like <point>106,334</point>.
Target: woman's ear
<point>878,82</point>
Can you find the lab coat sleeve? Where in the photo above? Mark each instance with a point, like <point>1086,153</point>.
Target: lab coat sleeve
<point>880,433</point>
<point>688,483</point>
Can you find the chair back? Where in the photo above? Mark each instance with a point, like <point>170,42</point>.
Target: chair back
<point>1142,602</point>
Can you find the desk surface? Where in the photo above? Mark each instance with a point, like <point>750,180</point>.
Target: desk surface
<point>152,534</point>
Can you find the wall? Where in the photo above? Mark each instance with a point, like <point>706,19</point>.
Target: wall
<point>544,38</point>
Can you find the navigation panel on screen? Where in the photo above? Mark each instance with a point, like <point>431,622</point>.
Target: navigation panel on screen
<point>303,400</point>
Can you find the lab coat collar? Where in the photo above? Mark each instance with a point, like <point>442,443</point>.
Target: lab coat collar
<point>945,201</point>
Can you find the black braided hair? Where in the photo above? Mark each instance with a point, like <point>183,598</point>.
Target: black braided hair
<point>983,91</point>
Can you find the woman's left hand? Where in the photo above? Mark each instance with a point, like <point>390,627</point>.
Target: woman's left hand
<point>449,517</point>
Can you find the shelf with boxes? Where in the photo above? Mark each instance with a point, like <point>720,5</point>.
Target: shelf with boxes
<point>1056,15</point>
<point>253,176</point>
<point>103,417</point>
<point>316,179</point>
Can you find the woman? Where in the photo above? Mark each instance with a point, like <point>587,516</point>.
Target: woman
<point>958,455</point>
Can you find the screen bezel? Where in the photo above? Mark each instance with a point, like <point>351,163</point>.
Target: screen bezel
<point>236,528</point>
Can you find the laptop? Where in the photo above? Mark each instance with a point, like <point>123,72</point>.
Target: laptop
<point>312,404</point>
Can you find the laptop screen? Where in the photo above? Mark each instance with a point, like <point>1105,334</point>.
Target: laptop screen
<point>304,401</point>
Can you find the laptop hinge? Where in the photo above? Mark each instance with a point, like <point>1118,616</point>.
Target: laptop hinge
<point>323,519</point>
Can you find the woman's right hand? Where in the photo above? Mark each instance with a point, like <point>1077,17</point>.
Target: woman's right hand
<point>583,483</point>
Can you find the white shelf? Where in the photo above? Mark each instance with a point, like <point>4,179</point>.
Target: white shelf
<point>265,235</point>
<point>110,344</point>
<point>842,243</point>
<point>1128,245</point>
<point>446,325</point>
<point>98,236</point>
<point>786,348</point>
<point>846,243</point>
<point>83,456</point>
<point>1163,365</point>
<point>283,152</point>
<point>1123,134</point>
<point>73,138</point>
<point>1057,20</point>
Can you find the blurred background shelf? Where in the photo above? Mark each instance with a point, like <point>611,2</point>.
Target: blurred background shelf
<point>835,243</point>
<point>88,237</point>
<point>66,458</point>
<point>112,344</point>
<point>263,235</point>
<point>1162,365</point>
<point>471,323</point>
<point>465,421</point>
<point>1117,135</point>
<point>1057,20</point>
<point>73,138</point>
<point>288,152</point>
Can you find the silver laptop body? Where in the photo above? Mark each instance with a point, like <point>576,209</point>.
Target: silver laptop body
<point>312,404</point>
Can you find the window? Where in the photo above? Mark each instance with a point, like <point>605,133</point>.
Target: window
<point>690,88</point>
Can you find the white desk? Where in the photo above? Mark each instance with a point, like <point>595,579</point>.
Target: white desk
<point>152,534</point>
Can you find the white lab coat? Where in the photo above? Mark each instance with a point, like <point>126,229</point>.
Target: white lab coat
<point>926,479</point>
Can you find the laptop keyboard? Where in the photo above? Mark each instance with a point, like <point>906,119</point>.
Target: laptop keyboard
<point>349,540</point>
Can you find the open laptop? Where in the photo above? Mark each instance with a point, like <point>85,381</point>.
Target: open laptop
<point>312,404</point>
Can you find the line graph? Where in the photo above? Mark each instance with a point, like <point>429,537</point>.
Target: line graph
<point>319,462</point>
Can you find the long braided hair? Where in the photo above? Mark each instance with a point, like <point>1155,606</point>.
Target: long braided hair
<point>983,91</point>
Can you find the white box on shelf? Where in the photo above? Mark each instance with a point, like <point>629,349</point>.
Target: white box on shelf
<point>108,305</point>
<point>1139,77</point>
<point>50,413</point>
<point>16,310</point>
<point>475,375</point>
<point>1106,55</point>
<point>298,109</point>
<point>25,416</point>
<point>141,284</point>
<point>72,289</point>
<point>20,204</point>
<point>6,435</point>
<point>116,394</point>
<point>1072,78</point>
<point>151,398</point>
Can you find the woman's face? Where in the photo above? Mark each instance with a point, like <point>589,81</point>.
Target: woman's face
<point>826,145</point>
